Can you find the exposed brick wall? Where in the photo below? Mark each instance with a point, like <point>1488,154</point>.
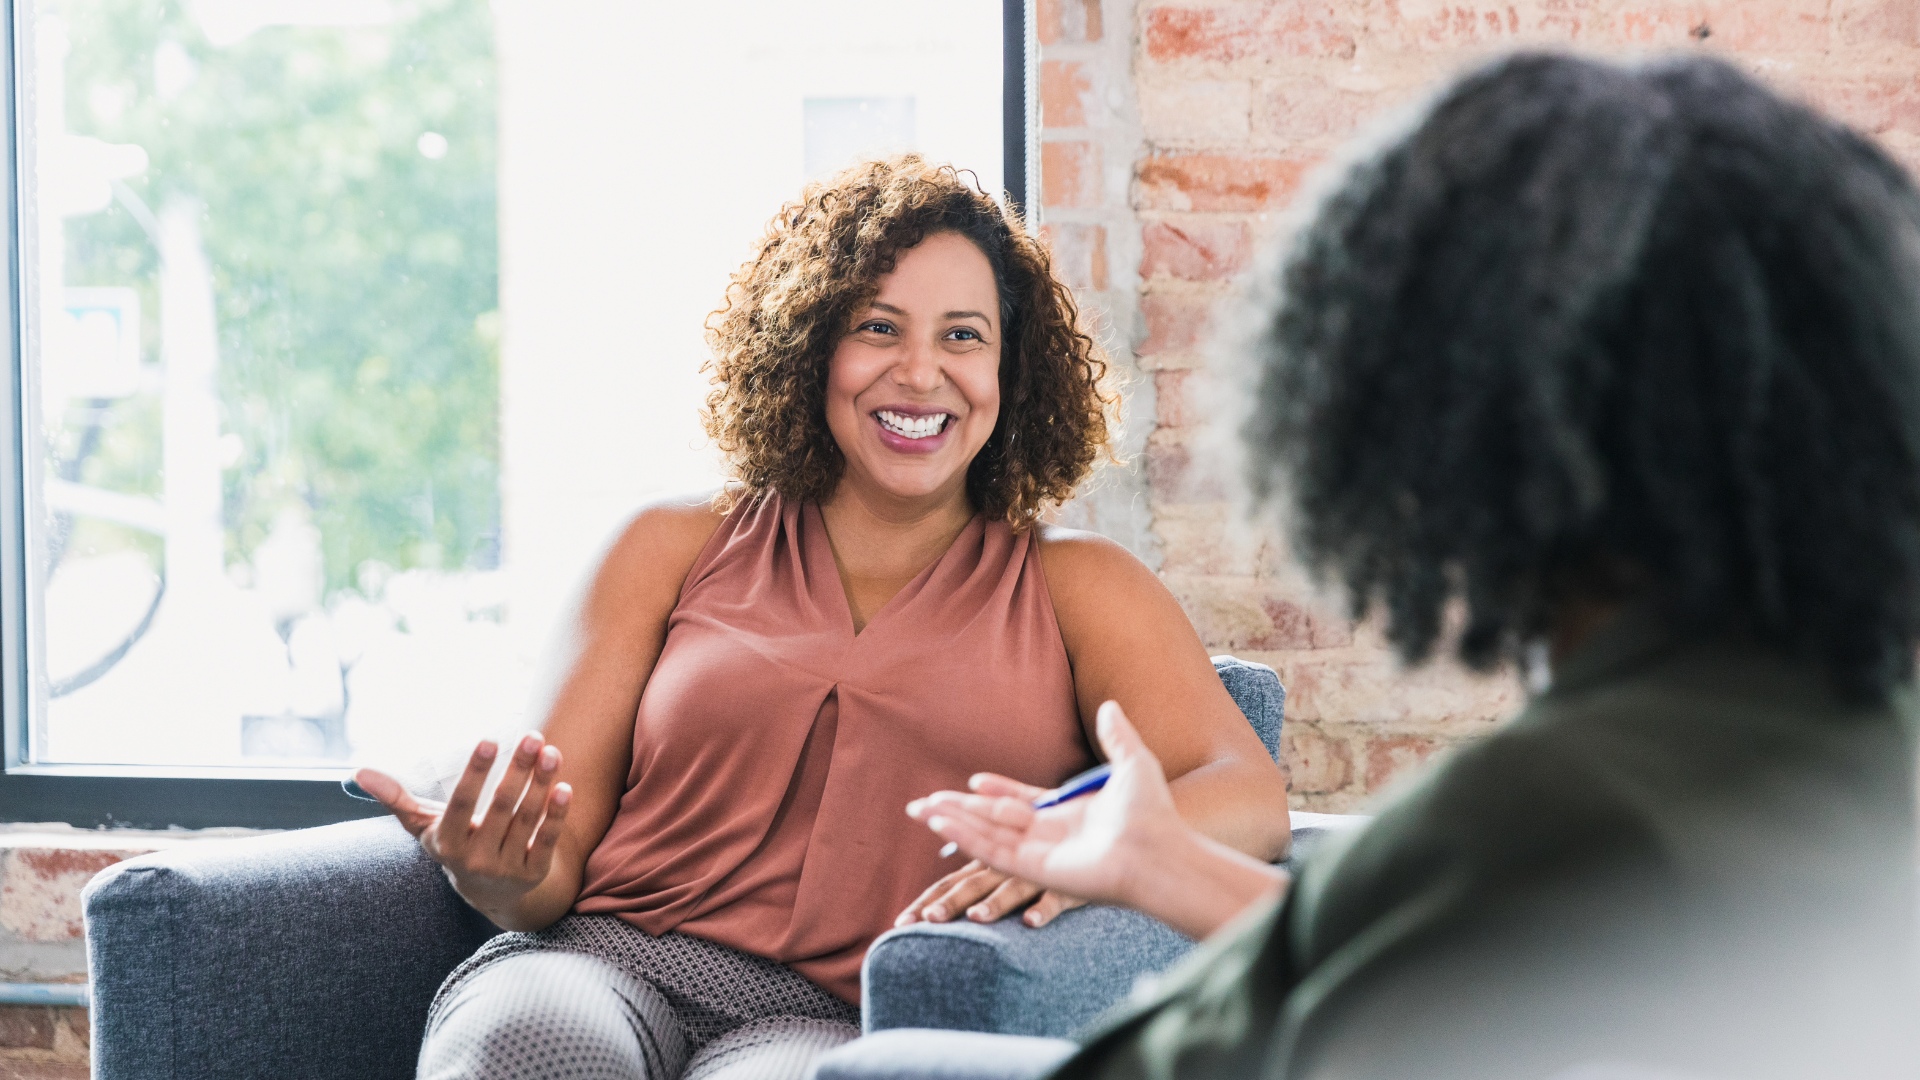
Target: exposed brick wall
<point>1212,113</point>
<point>1090,136</point>
<point>40,1043</point>
<point>42,937</point>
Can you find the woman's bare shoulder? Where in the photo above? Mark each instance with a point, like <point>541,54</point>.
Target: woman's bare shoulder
<point>648,559</point>
<point>1076,560</point>
<point>676,521</point>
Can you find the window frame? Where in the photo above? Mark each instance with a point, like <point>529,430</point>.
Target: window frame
<point>104,796</point>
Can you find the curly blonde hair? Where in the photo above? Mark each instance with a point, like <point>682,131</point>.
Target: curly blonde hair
<point>816,270</point>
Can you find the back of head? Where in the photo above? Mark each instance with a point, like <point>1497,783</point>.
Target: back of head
<point>1590,325</point>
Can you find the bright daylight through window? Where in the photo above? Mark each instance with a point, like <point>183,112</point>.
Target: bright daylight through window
<point>352,327</point>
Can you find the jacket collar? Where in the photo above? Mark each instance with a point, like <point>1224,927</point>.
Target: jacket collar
<point>1631,638</point>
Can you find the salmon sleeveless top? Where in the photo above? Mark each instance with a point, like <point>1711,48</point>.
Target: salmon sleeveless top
<point>775,750</point>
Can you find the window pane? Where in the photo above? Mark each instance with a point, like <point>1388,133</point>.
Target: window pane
<point>356,325</point>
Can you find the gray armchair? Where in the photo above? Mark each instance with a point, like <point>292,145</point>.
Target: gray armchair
<point>315,953</point>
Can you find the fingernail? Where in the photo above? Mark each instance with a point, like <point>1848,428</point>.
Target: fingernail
<point>1033,919</point>
<point>562,795</point>
<point>936,823</point>
<point>549,759</point>
<point>486,749</point>
<point>978,913</point>
<point>529,744</point>
<point>903,920</point>
<point>913,808</point>
<point>936,913</point>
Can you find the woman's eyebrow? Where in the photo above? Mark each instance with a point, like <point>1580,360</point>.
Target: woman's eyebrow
<point>965,315</point>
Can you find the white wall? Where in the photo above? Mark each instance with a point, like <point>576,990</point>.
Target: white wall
<point>643,149</point>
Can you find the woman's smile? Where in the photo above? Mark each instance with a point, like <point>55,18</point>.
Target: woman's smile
<point>913,430</point>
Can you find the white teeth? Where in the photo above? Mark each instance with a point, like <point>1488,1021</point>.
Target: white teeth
<point>912,427</point>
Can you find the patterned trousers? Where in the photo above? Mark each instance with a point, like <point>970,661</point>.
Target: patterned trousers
<point>593,998</point>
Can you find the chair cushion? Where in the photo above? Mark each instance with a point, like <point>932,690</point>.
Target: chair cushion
<point>927,1054</point>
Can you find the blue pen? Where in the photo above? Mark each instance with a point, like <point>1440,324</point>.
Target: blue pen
<point>1085,784</point>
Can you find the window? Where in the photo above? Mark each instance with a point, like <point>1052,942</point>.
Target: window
<point>345,330</point>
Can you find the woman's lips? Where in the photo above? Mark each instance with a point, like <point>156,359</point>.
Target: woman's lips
<point>906,444</point>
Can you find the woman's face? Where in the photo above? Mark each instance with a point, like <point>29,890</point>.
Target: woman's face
<point>913,390</point>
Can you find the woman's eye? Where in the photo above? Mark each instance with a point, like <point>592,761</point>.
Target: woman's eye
<point>876,328</point>
<point>961,333</point>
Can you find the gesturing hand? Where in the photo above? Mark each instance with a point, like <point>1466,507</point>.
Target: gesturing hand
<point>985,894</point>
<point>1093,847</point>
<point>494,859</point>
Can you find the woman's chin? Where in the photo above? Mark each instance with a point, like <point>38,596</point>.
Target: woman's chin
<point>911,484</point>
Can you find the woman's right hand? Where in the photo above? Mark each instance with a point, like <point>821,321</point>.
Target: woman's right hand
<point>496,859</point>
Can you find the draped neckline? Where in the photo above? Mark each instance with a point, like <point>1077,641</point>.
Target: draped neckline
<point>824,566</point>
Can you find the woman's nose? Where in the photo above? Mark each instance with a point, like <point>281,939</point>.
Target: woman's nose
<point>919,369</point>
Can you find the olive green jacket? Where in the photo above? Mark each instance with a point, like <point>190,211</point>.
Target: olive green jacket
<point>1687,858</point>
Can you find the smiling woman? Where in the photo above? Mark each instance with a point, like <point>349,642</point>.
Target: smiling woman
<point>817,272</point>
<point>759,680</point>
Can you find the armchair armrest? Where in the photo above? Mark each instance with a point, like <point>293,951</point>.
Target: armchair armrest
<point>1009,978</point>
<point>309,953</point>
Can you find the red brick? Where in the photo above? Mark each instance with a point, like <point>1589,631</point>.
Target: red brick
<point>1196,112</point>
<point>1198,542</point>
<point>1475,24</point>
<point>1310,110</point>
<point>1079,254</point>
<point>1218,182</point>
<point>1736,25</point>
<point>1875,105</point>
<point>26,1027</point>
<point>1300,626</point>
<point>1170,405</point>
<point>42,1070</point>
<point>1874,21</point>
<point>1391,756</point>
<point>40,893</point>
<point>1195,250</point>
<point>79,1025</point>
<point>1066,89</point>
<point>1316,764</point>
<point>1070,174</point>
<point>1292,626</point>
<point>1067,21</point>
<point>1175,321</point>
<point>1323,629</point>
<point>1247,32</point>
<point>1173,477</point>
<point>1367,685</point>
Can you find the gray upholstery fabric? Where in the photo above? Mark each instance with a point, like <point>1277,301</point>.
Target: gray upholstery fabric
<point>1257,690</point>
<point>1007,977</point>
<point>302,954</point>
<point>920,1054</point>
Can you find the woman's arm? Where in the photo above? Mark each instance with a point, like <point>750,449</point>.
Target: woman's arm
<point>511,865</point>
<point>1126,845</point>
<point>1129,641</point>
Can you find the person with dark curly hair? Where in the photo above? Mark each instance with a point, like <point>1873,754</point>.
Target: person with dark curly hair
<point>1614,372</point>
<point>757,681</point>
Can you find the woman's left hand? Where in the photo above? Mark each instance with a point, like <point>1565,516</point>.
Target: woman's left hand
<point>984,894</point>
